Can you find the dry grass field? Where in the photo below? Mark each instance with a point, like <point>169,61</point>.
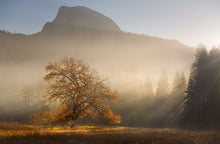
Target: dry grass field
<point>28,134</point>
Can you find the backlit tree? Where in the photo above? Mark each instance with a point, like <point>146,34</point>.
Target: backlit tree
<point>78,89</point>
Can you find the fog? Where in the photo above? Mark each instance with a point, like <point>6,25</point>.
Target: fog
<point>125,59</point>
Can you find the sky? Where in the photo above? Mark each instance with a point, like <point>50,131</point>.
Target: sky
<point>189,21</point>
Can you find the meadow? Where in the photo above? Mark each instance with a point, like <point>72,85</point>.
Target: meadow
<point>14,133</point>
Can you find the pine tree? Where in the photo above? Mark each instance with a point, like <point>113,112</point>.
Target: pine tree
<point>179,85</point>
<point>197,89</point>
<point>176,83</point>
<point>202,107</point>
<point>175,102</point>
<point>149,92</point>
<point>163,85</point>
<point>212,103</point>
<point>182,84</point>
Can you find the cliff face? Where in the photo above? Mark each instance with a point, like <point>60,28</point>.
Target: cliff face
<point>80,17</point>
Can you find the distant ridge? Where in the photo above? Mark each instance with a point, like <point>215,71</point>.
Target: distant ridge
<point>79,16</point>
<point>86,34</point>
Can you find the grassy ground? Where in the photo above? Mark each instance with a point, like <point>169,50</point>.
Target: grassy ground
<point>27,134</point>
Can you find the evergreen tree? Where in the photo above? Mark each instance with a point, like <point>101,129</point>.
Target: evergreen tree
<point>175,102</point>
<point>202,107</point>
<point>179,85</point>
<point>212,103</point>
<point>163,85</point>
<point>175,88</point>
<point>182,84</point>
<point>196,91</point>
<point>149,92</point>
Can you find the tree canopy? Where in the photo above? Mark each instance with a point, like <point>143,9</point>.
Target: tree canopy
<point>202,104</point>
<point>78,89</point>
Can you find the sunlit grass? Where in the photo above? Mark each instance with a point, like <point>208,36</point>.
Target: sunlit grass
<point>14,129</point>
<point>15,133</point>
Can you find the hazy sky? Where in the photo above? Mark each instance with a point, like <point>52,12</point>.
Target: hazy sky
<point>189,21</point>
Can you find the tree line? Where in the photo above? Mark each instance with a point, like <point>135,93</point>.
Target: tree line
<point>192,103</point>
<point>141,106</point>
<point>202,106</point>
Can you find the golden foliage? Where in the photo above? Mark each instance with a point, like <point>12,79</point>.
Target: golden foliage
<point>46,117</point>
<point>113,118</point>
<point>79,91</point>
<point>43,118</point>
<point>60,115</point>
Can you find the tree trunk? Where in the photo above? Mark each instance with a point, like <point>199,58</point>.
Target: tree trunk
<point>72,125</point>
<point>73,122</point>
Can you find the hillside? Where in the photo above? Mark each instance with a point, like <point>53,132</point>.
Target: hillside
<point>79,29</point>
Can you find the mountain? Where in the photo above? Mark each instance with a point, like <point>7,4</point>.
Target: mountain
<point>86,34</point>
<point>72,17</point>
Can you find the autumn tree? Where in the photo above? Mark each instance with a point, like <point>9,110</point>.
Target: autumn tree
<point>46,117</point>
<point>78,89</point>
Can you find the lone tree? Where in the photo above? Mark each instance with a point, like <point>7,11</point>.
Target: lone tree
<point>79,90</point>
